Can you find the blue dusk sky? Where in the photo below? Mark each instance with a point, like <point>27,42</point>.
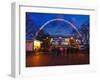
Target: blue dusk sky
<point>35,20</point>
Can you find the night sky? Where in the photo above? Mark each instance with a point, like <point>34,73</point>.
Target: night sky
<point>35,20</point>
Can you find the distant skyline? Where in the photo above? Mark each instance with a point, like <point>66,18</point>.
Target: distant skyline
<point>35,20</point>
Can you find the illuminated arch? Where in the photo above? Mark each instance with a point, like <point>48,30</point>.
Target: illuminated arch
<point>58,19</point>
